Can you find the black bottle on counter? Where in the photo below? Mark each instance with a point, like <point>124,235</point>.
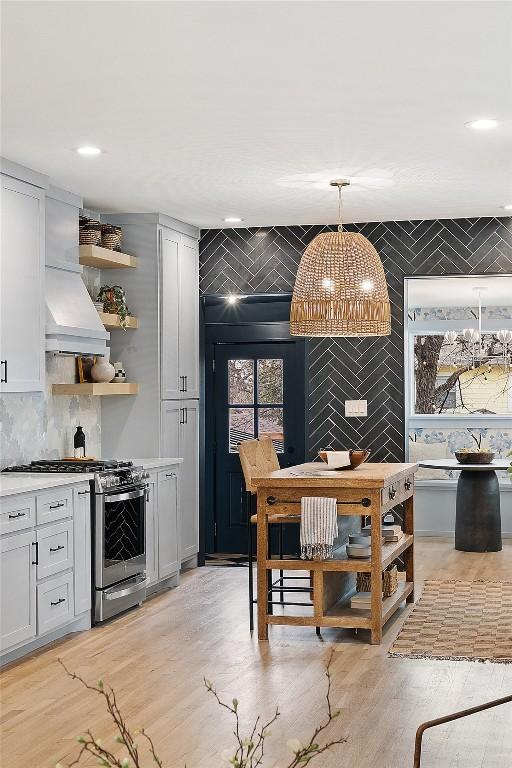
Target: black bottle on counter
<point>79,443</point>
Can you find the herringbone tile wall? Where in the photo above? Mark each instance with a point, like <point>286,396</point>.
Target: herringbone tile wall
<point>265,260</point>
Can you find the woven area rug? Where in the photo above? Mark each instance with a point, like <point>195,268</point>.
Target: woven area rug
<point>470,620</point>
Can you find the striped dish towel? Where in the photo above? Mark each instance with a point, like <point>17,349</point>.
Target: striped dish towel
<point>318,527</point>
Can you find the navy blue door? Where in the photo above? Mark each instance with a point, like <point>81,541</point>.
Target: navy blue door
<point>259,390</point>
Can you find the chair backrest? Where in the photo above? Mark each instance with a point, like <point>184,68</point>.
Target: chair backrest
<point>257,457</point>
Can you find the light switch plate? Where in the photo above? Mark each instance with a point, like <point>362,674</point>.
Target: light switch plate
<point>356,408</point>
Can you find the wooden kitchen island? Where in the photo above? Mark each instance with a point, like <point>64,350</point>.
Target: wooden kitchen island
<point>370,491</point>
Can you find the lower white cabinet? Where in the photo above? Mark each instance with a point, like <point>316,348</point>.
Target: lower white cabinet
<point>82,547</point>
<point>54,549</point>
<point>168,531</point>
<point>18,585</point>
<point>180,437</point>
<point>152,528</point>
<point>55,603</point>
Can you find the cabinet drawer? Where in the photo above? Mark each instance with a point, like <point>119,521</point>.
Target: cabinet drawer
<point>17,512</point>
<point>54,505</point>
<point>54,603</point>
<point>54,549</point>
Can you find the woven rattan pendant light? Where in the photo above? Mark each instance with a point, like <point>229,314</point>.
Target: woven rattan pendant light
<point>340,289</point>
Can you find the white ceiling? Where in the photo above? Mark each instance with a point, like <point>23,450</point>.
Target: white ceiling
<point>459,291</point>
<point>206,110</point>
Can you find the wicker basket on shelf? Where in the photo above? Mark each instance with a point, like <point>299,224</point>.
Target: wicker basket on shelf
<point>111,237</point>
<point>389,581</point>
<point>90,232</point>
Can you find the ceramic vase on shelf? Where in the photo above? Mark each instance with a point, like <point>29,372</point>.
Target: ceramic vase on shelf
<point>103,371</point>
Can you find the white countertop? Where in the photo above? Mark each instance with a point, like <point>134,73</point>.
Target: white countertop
<point>26,482</point>
<point>153,463</point>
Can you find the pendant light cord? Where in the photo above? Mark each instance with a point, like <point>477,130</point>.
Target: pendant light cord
<point>340,223</point>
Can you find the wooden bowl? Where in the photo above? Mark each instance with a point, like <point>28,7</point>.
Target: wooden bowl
<point>356,457</point>
<point>474,457</point>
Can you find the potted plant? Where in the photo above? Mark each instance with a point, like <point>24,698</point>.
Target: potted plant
<point>114,302</point>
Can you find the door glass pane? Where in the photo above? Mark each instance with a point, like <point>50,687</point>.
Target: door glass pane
<point>270,422</point>
<point>241,381</point>
<point>270,381</point>
<point>241,427</point>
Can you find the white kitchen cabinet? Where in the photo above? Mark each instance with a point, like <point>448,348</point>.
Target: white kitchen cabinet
<point>17,512</point>
<point>18,589</point>
<point>152,529</point>
<point>54,549</point>
<point>82,548</point>
<point>168,525</point>
<point>55,603</point>
<point>22,316</point>
<point>179,295</point>
<point>180,437</point>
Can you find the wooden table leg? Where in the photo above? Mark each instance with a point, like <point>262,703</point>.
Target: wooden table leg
<point>409,553</point>
<point>262,545</point>
<point>376,574</point>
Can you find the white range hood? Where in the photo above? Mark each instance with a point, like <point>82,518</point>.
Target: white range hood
<point>73,325</point>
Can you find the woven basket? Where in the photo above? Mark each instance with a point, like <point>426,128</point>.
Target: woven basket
<point>90,232</point>
<point>111,237</point>
<point>389,582</point>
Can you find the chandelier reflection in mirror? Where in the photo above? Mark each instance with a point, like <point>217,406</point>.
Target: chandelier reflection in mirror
<point>473,347</point>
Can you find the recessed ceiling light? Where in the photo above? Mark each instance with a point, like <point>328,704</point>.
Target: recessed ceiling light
<point>233,219</point>
<point>89,151</point>
<point>485,124</point>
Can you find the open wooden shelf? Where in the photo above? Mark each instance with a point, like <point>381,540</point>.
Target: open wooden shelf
<point>110,320</point>
<point>389,605</point>
<point>340,561</point>
<point>93,388</point>
<point>103,258</point>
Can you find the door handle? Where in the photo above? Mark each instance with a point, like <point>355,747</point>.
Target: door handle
<point>57,506</point>
<point>182,415</point>
<point>3,380</point>
<point>36,545</point>
<point>82,493</point>
<point>186,383</point>
<point>185,414</point>
<point>18,514</point>
<point>59,601</point>
<point>56,549</point>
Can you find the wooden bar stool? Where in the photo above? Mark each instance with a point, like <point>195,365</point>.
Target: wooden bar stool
<point>258,457</point>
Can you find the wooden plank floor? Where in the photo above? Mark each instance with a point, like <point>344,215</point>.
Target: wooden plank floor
<point>156,657</point>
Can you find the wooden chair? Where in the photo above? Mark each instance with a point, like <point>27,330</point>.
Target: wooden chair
<point>258,457</point>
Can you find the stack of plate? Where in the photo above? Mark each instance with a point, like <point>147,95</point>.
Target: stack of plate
<point>359,545</point>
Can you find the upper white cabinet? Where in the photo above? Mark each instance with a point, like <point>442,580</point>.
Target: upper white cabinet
<point>179,301</point>
<point>22,339</point>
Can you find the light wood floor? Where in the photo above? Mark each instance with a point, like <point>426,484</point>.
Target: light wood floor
<point>156,657</point>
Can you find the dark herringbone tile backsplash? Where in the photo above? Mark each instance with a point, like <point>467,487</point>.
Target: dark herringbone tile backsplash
<point>265,260</point>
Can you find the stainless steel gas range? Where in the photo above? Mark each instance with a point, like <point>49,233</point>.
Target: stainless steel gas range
<point>118,520</point>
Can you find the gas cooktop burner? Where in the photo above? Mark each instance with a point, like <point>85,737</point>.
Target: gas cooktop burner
<point>64,465</point>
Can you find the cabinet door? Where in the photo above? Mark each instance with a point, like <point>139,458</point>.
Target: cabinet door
<point>172,415</point>
<point>55,603</point>
<point>171,383</point>
<point>18,589</point>
<point>22,340</point>
<point>168,532</point>
<point>189,485</point>
<point>82,548</point>
<point>189,317</point>
<point>152,528</point>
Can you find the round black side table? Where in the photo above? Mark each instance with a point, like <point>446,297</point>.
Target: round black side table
<point>478,515</point>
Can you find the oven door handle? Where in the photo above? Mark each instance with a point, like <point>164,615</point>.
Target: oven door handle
<point>135,587</point>
<point>139,493</point>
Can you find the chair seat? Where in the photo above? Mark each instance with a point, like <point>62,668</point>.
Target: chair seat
<point>278,519</point>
